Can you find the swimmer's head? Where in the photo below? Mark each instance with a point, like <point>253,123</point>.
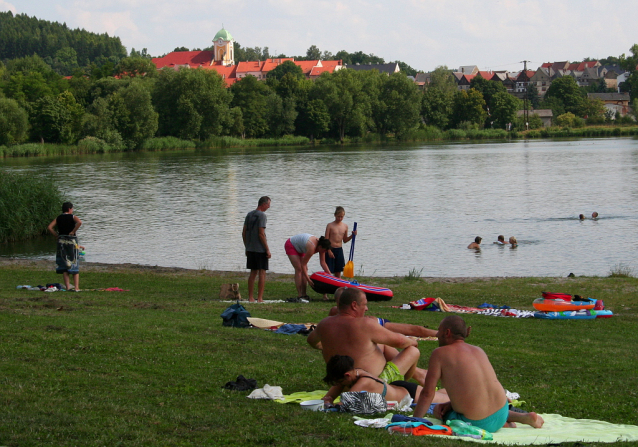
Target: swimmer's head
<point>581,216</point>
<point>478,239</point>
<point>513,240</point>
<point>501,238</point>
<point>594,215</point>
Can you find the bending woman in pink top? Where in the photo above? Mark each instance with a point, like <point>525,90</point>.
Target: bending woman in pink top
<point>300,249</point>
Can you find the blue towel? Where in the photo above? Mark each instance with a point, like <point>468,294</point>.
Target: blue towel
<point>402,418</point>
<point>290,329</point>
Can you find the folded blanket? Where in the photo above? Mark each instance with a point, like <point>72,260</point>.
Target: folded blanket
<point>558,429</point>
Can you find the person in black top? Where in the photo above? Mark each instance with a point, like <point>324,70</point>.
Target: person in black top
<point>67,254</point>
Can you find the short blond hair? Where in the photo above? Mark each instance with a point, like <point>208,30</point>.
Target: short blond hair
<point>340,210</point>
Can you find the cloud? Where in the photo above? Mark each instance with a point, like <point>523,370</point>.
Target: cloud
<point>6,6</point>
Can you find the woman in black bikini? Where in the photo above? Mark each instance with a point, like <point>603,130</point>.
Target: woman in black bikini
<point>343,376</point>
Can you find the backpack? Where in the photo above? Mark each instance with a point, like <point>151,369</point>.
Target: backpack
<point>235,316</point>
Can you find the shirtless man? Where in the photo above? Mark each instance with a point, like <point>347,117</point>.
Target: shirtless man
<point>476,244</point>
<point>401,328</point>
<point>337,234</point>
<point>476,395</point>
<point>363,339</point>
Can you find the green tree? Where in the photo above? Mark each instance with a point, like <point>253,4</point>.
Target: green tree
<point>348,105</point>
<point>313,53</point>
<point>401,104</point>
<point>99,122</point>
<point>288,67</point>
<point>554,104</point>
<point>57,119</point>
<point>532,96</point>
<point>136,66</point>
<point>592,108</point>
<point>313,119</point>
<point>566,89</point>
<point>487,88</point>
<point>250,95</point>
<point>436,107</point>
<point>469,107</point>
<point>133,114</point>
<point>192,104</point>
<point>503,109</point>
<point>14,122</point>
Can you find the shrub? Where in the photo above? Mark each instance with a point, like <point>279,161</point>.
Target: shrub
<point>166,143</point>
<point>455,134</point>
<point>92,145</point>
<point>27,205</point>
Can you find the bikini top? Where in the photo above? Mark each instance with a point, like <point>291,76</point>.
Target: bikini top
<point>385,385</point>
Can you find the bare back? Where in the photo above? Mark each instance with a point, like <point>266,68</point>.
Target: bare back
<point>357,338</point>
<point>469,378</point>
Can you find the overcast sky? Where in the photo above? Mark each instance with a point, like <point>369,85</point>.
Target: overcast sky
<point>492,34</point>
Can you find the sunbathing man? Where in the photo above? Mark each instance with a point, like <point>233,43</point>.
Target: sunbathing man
<point>343,376</point>
<point>476,396</point>
<point>363,339</point>
<point>411,330</point>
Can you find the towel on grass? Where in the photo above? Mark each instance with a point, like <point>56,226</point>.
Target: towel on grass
<point>267,392</point>
<point>302,396</point>
<point>558,429</point>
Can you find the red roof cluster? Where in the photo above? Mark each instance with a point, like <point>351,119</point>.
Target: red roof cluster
<point>231,73</point>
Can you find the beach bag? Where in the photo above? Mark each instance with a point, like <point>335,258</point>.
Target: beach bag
<point>362,402</point>
<point>229,292</point>
<point>235,316</point>
<point>424,304</point>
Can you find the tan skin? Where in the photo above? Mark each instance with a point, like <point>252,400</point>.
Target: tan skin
<point>356,380</point>
<point>337,234</point>
<point>347,333</point>
<point>65,275</point>
<point>261,273</point>
<point>300,264</point>
<point>470,381</point>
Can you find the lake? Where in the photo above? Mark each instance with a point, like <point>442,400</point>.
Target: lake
<point>418,206</point>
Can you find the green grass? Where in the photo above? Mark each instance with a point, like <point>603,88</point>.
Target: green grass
<point>146,367</point>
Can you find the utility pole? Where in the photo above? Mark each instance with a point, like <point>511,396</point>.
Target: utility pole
<point>526,110</point>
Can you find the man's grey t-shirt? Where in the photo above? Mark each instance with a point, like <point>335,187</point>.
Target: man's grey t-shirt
<point>254,221</point>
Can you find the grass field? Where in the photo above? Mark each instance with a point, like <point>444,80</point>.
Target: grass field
<point>147,366</point>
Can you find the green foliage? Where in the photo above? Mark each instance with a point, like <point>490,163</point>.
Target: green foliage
<point>503,107</point>
<point>133,114</point>
<point>136,66</point>
<point>192,104</point>
<point>250,95</point>
<point>566,89</point>
<point>57,119</point>
<point>288,67</point>
<point>93,145</point>
<point>469,106</point>
<point>27,205</point>
<point>399,105</point>
<point>21,36</point>
<point>166,143</point>
<point>14,122</point>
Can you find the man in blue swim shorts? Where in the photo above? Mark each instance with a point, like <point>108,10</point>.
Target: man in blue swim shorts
<point>476,395</point>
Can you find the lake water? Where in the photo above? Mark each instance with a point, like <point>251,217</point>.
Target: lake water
<point>417,206</point>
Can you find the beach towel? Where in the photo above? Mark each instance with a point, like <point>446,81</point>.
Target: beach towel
<point>558,429</point>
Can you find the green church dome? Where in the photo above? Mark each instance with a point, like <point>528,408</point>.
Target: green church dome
<point>225,35</point>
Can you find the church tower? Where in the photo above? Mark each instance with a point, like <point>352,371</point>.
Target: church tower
<point>224,48</point>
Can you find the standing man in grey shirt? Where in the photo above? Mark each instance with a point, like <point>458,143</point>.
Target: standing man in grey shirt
<point>257,251</point>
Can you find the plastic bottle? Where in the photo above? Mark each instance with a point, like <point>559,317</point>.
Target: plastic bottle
<point>405,431</point>
<point>461,428</point>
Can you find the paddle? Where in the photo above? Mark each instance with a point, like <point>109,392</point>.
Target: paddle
<point>348,270</point>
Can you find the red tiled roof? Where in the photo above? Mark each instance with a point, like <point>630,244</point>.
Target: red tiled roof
<point>245,67</point>
<point>271,64</point>
<point>306,66</point>
<point>487,75</point>
<point>191,58</point>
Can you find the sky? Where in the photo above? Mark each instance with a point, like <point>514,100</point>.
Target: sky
<point>494,35</point>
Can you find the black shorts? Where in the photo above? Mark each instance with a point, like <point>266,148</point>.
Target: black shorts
<point>337,263</point>
<point>410,386</point>
<point>256,261</point>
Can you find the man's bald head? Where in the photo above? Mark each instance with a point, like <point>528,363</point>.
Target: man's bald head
<point>348,296</point>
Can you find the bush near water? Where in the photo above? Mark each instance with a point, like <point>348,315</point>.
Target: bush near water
<point>27,205</point>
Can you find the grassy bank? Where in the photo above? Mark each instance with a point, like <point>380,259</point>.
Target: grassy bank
<point>146,367</point>
<point>92,145</point>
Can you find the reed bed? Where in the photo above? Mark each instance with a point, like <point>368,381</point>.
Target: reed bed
<point>27,205</point>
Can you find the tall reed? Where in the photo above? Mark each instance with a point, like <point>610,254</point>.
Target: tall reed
<point>27,205</point>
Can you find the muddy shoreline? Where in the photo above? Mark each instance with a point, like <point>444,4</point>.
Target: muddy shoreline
<point>155,269</point>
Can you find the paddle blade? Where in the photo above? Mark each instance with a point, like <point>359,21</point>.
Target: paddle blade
<point>348,270</point>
